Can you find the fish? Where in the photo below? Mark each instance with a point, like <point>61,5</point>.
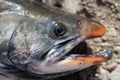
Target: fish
<point>37,38</point>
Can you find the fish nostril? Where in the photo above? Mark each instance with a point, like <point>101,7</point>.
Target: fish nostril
<point>79,23</point>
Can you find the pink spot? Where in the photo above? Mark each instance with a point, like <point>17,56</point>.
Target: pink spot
<point>49,62</point>
<point>79,22</point>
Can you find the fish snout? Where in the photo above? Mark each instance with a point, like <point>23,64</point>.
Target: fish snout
<point>92,29</point>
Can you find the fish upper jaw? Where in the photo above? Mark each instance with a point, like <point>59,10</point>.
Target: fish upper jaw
<point>91,28</point>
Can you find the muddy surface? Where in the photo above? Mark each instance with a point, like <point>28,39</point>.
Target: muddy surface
<point>108,13</point>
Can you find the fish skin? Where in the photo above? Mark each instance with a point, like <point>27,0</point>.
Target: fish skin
<point>27,32</point>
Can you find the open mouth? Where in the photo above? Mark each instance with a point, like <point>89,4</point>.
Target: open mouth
<point>64,57</point>
<point>70,49</point>
<point>62,49</point>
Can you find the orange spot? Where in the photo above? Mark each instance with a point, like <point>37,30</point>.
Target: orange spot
<point>87,60</point>
<point>97,32</point>
<point>95,29</point>
<point>94,60</point>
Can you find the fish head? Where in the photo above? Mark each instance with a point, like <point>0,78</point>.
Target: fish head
<point>42,45</point>
<point>74,30</point>
<point>68,34</point>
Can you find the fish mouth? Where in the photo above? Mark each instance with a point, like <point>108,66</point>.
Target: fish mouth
<point>62,49</point>
<point>62,58</point>
<point>66,50</point>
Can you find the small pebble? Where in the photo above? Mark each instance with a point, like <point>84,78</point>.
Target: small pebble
<point>104,74</point>
<point>117,49</point>
<point>111,66</point>
<point>117,60</point>
<point>115,75</point>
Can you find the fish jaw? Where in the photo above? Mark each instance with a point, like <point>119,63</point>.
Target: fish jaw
<point>73,62</point>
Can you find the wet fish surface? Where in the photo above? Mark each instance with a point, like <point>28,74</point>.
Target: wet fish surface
<point>36,39</point>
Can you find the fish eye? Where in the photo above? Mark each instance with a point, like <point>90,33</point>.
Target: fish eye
<point>59,29</point>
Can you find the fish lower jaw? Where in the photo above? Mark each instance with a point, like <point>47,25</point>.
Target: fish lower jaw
<point>71,63</point>
<point>58,67</point>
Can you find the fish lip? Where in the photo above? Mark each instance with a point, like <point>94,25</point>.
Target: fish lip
<point>51,60</point>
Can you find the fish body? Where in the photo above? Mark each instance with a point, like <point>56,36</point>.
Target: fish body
<point>37,38</point>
